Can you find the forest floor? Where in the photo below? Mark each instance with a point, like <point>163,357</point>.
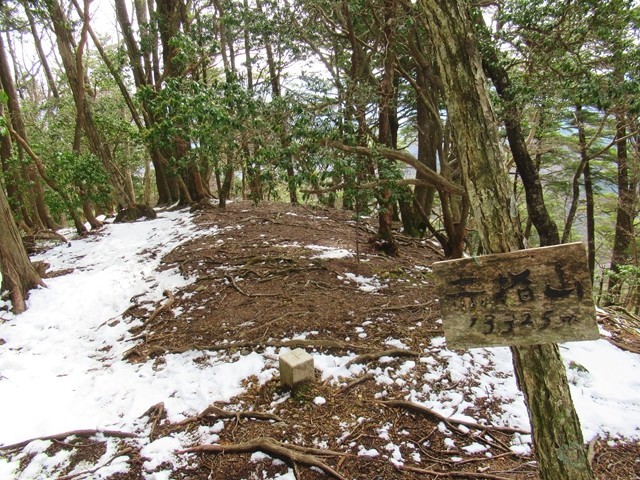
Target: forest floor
<point>389,400</point>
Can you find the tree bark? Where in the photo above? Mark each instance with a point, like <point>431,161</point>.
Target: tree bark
<point>588,192</point>
<point>539,368</point>
<point>72,62</point>
<point>387,124</point>
<point>18,275</point>
<point>624,220</point>
<point>429,124</point>
<point>286,158</point>
<point>35,211</point>
<point>41,55</point>
<point>575,184</point>
<point>536,208</point>
<point>170,16</point>
<point>143,73</point>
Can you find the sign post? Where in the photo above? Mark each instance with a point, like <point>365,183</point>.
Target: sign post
<point>529,300</point>
<point>527,297</point>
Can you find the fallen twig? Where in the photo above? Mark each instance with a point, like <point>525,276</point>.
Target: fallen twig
<point>632,316</point>
<point>396,352</point>
<point>292,453</point>
<point>441,418</point>
<point>73,433</point>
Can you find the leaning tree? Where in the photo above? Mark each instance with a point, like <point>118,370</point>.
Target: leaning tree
<point>18,275</point>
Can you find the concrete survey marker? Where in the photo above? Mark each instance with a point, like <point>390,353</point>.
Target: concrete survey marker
<point>296,368</point>
<point>527,297</point>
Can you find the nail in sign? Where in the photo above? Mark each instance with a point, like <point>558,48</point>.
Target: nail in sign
<point>527,297</point>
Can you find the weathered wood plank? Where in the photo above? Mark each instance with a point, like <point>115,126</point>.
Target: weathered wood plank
<point>526,297</point>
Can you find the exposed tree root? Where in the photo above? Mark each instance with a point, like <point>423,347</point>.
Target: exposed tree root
<point>292,453</point>
<point>154,413</point>
<point>171,300</point>
<point>394,308</point>
<point>277,319</point>
<point>73,433</point>
<point>247,294</point>
<point>414,407</point>
<point>623,346</point>
<point>437,474</point>
<point>212,412</point>
<point>162,308</point>
<point>356,382</point>
<point>91,471</point>
<point>329,344</point>
<point>396,352</point>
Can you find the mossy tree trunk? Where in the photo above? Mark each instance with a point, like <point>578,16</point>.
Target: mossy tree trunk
<point>539,368</point>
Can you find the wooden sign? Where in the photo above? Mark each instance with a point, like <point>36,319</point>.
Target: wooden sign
<point>534,296</point>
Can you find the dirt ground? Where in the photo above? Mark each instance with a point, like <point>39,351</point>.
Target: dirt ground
<point>258,289</point>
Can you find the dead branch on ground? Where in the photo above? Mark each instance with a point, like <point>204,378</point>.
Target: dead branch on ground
<point>623,346</point>
<point>293,453</point>
<point>277,319</point>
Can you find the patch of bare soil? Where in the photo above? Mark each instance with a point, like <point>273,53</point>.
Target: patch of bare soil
<point>263,283</point>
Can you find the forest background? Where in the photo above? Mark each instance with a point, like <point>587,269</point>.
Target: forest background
<point>336,102</point>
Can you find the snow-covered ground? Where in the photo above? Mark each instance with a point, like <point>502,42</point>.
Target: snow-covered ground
<point>61,364</point>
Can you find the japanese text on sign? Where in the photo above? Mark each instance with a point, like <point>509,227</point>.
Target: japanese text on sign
<point>540,295</point>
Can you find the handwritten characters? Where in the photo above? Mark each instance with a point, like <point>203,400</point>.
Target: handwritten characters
<point>524,297</point>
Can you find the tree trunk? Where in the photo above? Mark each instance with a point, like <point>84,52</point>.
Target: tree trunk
<point>575,184</point>
<point>591,220</point>
<point>624,219</point>
<point>141,65</point>
<point>18,275</point>
<point>143,77</point>
<point>33,200</point>
<point>539,368</point>
<point>50,182</point>
<point>286,159</point>
<point>170,15</point>
<point>72,62</point>
<point>429,129</point>
<point>87,210</point>
<point>41,55</point>
<point>536,208</point>
<point>588,192</point>
<point>386,134</point>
